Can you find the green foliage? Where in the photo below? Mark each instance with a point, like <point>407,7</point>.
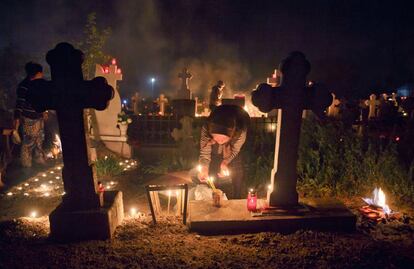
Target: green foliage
<point>258,155</point>
<point>334,160</point>
<point>174,161</point>
<point>108,166</point>
<point>93,46</point>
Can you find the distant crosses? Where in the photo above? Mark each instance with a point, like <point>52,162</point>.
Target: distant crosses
<point>162,101</point>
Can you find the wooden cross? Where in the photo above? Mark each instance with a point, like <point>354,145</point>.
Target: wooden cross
<point>291,98</point>
<point>68,93</point>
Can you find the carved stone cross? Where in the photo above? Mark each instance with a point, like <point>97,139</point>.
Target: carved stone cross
<point>291,98</point>
<point>68,93</point>
<point>185,77</point>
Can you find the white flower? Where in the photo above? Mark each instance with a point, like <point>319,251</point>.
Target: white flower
<point>129,120</point>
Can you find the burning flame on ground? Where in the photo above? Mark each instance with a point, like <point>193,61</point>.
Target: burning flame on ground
<point>378,200</point>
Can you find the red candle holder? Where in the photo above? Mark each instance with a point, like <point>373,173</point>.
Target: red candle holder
<point>251,201</point>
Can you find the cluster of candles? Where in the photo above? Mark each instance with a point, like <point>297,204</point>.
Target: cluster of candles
<point>178,194</point>
<point>49,184</point>
<point>45,184</point>
<point>127,164</point>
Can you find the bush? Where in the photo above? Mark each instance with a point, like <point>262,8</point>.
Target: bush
<point>334,160</point>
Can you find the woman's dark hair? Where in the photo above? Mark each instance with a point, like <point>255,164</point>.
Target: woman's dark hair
<point>228,120</point>
<point>32,69</point>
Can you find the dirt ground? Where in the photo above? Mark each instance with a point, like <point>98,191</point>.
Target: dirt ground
<point>138,243</point>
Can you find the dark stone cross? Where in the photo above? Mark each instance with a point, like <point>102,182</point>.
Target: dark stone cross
<point>68,93</point>
<point>184,91</point>
<point>291,98</point>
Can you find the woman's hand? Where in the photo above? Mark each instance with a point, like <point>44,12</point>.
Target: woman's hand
<point>203,173</point>
<point>224,170</point>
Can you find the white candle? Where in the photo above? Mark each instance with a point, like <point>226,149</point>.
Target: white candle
<point>169,200</point>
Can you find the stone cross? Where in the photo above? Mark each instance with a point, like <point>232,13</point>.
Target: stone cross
<point>290,98</point>
<point>333,109</point>
<point>135,103</point>
<point>69,94</point>
<point>185,77</point>
<point>372,103</point>
<point>162,101</point>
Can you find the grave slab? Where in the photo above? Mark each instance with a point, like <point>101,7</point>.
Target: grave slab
<point>99,224</point>
<point>233,218</point>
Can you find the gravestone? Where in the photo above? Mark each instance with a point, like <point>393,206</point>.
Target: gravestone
<point>184,105</point>
<point>290,98</point>
<point>81,215</point>
<point>107,119</point>
<point>333,109</point>
<point>373,104</point>
<point>135,103</point>
<point>184,91</point>
<point>284,214</point>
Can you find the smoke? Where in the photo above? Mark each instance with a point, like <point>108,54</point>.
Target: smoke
<point>220,62</point>
<point>148,44</point>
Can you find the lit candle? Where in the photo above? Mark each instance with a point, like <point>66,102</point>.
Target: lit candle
<point>133,211</point>
<point>178,204</point>
<point>169,200</point>
<point>251,200</point>
<point>33,214</point>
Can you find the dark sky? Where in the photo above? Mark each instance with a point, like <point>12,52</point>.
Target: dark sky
<point>353,46</point>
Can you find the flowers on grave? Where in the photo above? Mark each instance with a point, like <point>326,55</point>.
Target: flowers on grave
<point>123,118</point>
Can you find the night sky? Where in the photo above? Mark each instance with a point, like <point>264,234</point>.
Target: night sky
<point>355,47</point>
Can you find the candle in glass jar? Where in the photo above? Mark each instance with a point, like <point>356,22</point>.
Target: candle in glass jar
<point>251,200</point>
